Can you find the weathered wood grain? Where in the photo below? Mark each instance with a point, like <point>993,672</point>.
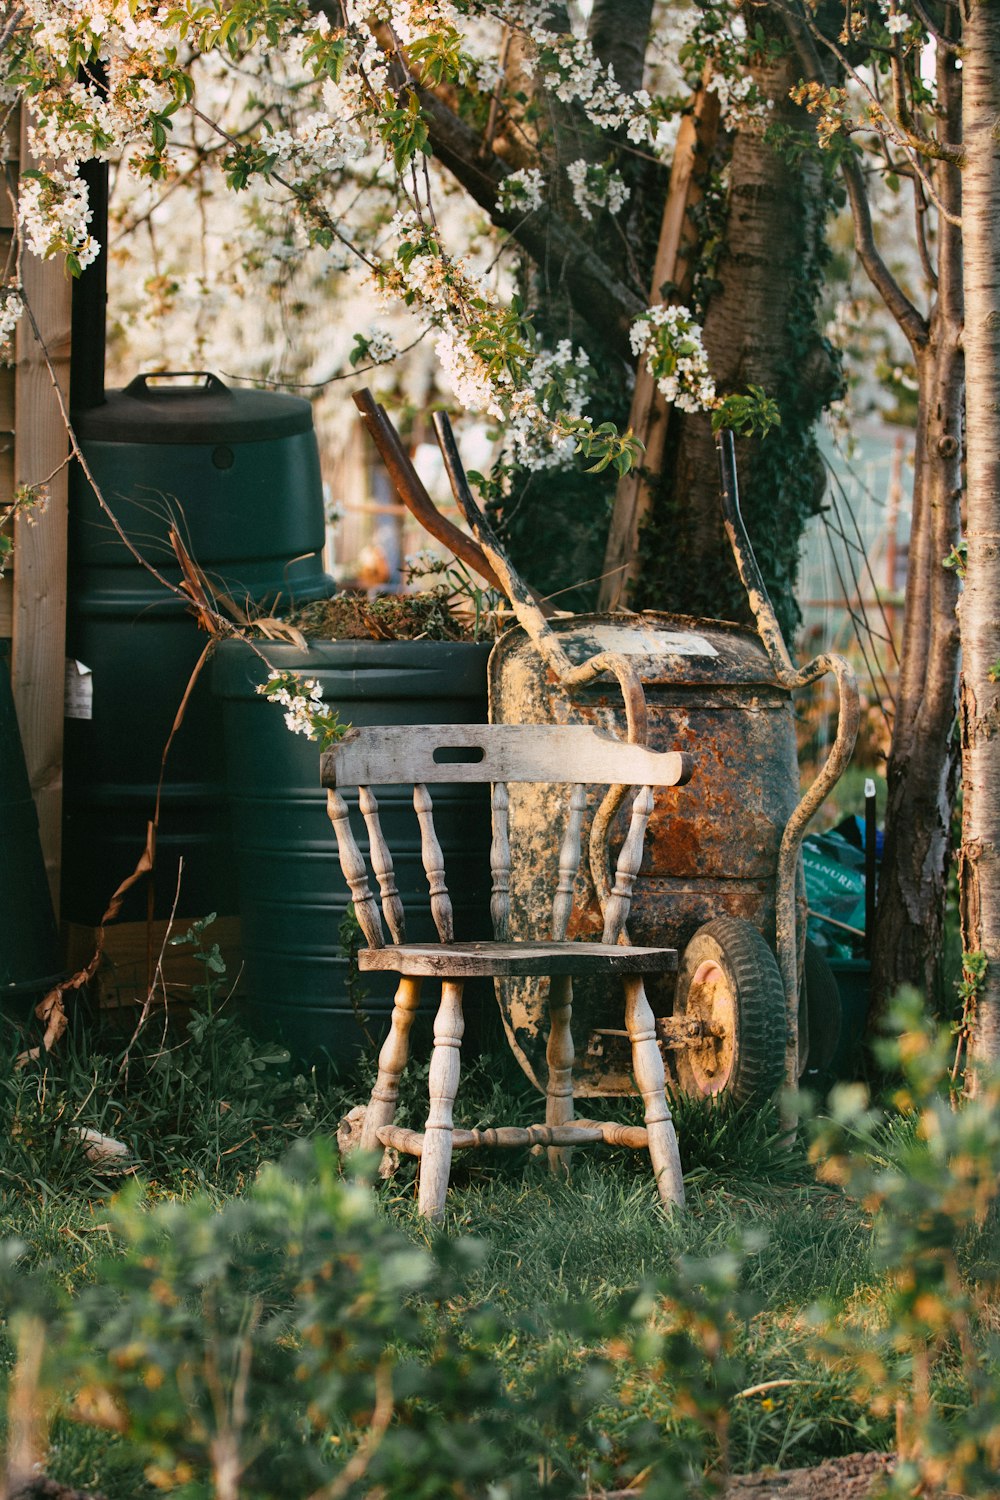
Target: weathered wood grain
<point>353,866</point>
<point>500,863</point>
<point>392,906</point>
<point>394,754</point>
<point>620,901</point>
<point>560,1057</point>
<point>435,1166</point>
<point>433,861</point>
<point>569,863</point>
<point>647,1067</point>
<point>391,1062</point>
<point>485,960</point>
<point>501,1137</point>
<point>38,626</point>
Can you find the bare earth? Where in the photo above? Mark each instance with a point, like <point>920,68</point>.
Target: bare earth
<point>850,1478</point>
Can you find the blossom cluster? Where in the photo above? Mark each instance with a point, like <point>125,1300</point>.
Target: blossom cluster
<point>485,353</point>
<point>523,190</point>
<point>302,700</point>
<point>669,339</point>
<point>596,186</point>
<point>283,99</point>
<point>11,308</point>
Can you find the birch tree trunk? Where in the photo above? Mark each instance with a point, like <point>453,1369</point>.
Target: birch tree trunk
<point>922,767</point>
<point>980,607</point>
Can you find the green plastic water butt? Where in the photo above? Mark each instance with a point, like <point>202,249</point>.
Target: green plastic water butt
<point>293,897</point>
<point>29,939</point>
<point>237,474</point>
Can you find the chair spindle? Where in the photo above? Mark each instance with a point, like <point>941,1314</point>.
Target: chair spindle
<point>620,901</point>
<point>430,852</point>
<point>392,906</point>
<point>500,863</point>
<point>353,865</point>
<point>569,862</point>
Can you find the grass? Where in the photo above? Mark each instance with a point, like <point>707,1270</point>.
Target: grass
<point>204,1111</point>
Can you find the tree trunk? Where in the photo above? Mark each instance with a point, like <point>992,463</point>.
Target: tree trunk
<point>923,756</point>
<point>980,607</point>
<point>760,329</point>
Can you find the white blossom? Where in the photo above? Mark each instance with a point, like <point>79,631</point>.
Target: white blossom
<point>670,339</point>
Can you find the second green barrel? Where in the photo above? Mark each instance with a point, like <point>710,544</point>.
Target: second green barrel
<point>297,981</point>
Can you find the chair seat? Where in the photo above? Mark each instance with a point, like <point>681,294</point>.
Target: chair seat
<point>499,960</point>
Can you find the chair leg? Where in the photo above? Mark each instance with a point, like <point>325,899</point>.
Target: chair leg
<point>391,1062</point>
<point>647,1067</point>
<point>435,1162</point>
<point>559,1055</point>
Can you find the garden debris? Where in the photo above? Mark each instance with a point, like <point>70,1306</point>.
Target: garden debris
<point>857,1476</point>
<point>103,1151</point>
<point>425,616</point>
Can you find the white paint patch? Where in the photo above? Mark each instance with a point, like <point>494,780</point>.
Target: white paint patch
<point>635,642</point>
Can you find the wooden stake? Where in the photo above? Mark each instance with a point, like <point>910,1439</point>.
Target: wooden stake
<point>649,412</point>
<point>39,608</point>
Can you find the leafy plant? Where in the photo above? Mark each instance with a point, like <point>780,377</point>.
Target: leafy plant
<point>926,1172</point>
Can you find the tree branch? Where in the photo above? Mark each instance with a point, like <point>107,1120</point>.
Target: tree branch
<point>805,34</point>
<point>920,215</point>
<point>910,320</point>
<point>923,16</point>
<point>549,240</point>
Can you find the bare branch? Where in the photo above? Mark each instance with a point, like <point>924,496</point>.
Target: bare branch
<point>910,320</point>
<point>10,26</point>
<point>548,239</point>
<point>923,16</point>
<point>920,216</point>
<point>801,26</point>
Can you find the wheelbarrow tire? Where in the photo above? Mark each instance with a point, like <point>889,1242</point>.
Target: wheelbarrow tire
<point>729,981</point>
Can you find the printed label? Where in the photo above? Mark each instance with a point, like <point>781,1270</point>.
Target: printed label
<point>79,700</point>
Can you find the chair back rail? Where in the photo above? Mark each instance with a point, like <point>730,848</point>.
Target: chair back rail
<point>620,901</point>
<point>353,865</point>
<point>433,859</point>
<point>409,754</point>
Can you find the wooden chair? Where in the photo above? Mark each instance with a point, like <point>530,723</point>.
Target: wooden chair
<point>501,754</point>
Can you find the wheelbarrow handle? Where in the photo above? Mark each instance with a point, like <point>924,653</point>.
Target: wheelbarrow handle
<point>531,614</point>
<point>411,491</point>
<point>790,677</point>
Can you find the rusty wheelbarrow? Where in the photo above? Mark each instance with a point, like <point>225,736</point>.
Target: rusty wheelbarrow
<point>721,879</point>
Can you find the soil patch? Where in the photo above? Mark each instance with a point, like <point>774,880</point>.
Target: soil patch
<point>850,1478</point>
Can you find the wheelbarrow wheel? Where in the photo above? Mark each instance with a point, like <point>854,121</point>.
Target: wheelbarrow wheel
<point>729,987</point>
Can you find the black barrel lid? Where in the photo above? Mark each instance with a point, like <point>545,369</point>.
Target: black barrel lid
<point>201,410</point>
